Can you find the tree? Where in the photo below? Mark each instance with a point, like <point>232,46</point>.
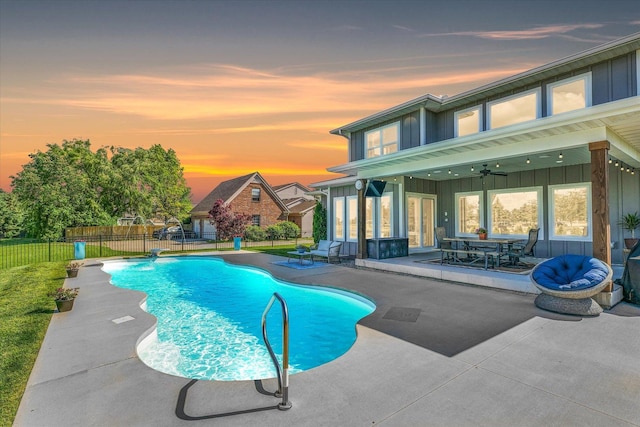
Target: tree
<point>290,230</point>
<point>11,215</point>
<point>319,223</point>
<point>69,185</point>
<point>228,223</point>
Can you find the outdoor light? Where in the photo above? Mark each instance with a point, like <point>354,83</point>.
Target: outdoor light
<point>622,167</point>
<point>617,164</point>
<point>497,164</point>
<point>428,173</point>
<point>633,171</point>
<point>528,161</point>
<point>560,155</point>
<point>472,169</point>
<point>628,170</point>
<point>610,161</point>
<point>449,171</point>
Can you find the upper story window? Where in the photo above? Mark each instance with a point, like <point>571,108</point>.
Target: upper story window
<point>382,141</point>
<point>468,121</point>
<point>514,109</point>
<point>255,194</point>
<point>569,94</point>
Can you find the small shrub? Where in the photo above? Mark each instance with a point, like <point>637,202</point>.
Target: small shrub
<point>289,229</point>
<point>255,233</point>
<point>274,232</point>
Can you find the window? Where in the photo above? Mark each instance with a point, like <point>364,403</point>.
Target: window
<point>468,212</point>
<point>338,218</point>
<point>515,211</point>
<point>255,220</point>
<point>468,121</point>
<point>352,217</point>
<point>368,202</point>
<point>255,194</point>
<point>385,211</point>
<point>382,141</point>
<point>514,109</point>
<point>569,94</point>
<point>570,216</point>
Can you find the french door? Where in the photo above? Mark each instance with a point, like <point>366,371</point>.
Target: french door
<point>421,220</point>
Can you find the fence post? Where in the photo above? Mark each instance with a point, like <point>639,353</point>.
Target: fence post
<point>144,242</point>
<point>101,245</point>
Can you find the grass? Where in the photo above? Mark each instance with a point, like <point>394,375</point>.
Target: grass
<point>25,310</point>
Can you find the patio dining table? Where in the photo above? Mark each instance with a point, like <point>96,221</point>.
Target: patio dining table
<point>500,246</point>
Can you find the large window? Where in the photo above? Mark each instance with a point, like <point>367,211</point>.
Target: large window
<point>569,94</point>
<point>468,212</point>
<point>382,141</point>
<point>338,218</point>
<point>352,218</point>
<point>515,211</point>
<point>468,121</point>
<point>570,216</point>
<point>514,109</point>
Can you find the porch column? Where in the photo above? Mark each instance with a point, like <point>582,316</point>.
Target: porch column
<point>600,203</point>
<point>362,223</point>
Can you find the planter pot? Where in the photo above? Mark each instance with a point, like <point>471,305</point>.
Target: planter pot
<point>482,236</point>
<point>630,243</point>
<point>65,305</point>
<point>72,273</point>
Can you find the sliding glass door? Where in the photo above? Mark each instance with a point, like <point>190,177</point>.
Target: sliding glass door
<point>420,220</point>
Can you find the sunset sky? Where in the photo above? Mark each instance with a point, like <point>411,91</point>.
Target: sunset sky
<point>241,86</point>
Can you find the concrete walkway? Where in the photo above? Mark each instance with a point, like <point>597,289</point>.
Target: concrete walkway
<point>472,357</point>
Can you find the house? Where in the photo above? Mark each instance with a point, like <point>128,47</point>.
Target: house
<point>556,147</point>
<point>300,204</point>
<point>248,194</point>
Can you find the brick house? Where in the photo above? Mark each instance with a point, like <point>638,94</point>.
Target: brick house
<point>248,194</point>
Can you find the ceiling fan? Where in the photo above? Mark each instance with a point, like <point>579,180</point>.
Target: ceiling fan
<point>484,172</point>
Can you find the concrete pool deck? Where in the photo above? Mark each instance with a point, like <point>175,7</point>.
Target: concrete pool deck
<point>434,353</point>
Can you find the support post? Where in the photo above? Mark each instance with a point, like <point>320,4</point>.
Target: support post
<point>600,203</point>
<point>362,223</point>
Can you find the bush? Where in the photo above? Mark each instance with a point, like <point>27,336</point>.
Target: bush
<point>289,229</point>
<point>274,232</point>
<point>255,233</point>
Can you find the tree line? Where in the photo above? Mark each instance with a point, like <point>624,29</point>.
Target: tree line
<point>69,185</point>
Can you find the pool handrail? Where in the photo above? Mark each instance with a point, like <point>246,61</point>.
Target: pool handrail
<point>282,372</point>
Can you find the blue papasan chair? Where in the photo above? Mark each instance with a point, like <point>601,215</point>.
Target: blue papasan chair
<point>568,282</point>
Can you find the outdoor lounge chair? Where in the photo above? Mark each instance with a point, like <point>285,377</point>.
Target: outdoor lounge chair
<point>630,280</point>
<point>568,282</point>
<point>327,249</point>
<point>523,249</point>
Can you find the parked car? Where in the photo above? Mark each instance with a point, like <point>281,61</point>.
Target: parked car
<point>167,233</point>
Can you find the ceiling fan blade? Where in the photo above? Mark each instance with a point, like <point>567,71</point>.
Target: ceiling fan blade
<point>498,173</point>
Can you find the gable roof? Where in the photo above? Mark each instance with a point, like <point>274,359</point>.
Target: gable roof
<point>228,190</point>
<point>291,184</point>
<point>302,207</point>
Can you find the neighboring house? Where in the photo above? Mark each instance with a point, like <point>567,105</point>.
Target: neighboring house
<point>300,204</point>
<point>249,194</point>
<point>561,145</point>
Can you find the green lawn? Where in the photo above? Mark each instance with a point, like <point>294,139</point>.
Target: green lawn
<point>25,310</point>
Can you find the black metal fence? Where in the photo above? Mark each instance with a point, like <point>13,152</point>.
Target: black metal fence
<point>19,251</point>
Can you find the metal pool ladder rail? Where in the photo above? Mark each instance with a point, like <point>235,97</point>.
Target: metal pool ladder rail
<point>282,371</point>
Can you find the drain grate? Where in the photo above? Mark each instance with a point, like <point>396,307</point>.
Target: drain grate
<point>402,314</point>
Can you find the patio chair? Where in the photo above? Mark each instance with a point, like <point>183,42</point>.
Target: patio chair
<point>441,233</point>
<point>523,249</point>
<point>568,282</point>
<point>630,280</point>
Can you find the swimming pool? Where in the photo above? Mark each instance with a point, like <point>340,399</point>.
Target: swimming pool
<point>209,318</point>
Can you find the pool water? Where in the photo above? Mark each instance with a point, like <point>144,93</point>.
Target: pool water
<point>210,312</point>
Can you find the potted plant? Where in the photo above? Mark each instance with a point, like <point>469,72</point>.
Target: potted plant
<point>630,222</point>
<point>72,268</point>
<point>302,249</point>
<point>482,233</point>
<point>64,298</point>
